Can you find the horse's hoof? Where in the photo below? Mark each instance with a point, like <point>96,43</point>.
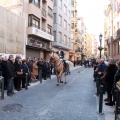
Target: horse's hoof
<point>61,81</point>
<point>57,84</point>
<point>65,82</point>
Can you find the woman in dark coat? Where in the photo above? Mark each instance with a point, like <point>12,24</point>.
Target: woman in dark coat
<point>109,79</point>
<point>25,72</point>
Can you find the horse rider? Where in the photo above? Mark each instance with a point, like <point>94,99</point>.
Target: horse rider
<point>60,53</point>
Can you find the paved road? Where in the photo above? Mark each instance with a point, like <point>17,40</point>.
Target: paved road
<point>46,101</point>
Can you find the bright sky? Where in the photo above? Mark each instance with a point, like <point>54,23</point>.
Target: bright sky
<point>93,13</point>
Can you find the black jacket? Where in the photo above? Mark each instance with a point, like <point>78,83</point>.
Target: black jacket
<point>40,65</point>
<point>61,54</point>
<point>110,73</point>
<point>117,76</point>
<point>4,68</point>
<point>10,69</point>
<point>18,66</point>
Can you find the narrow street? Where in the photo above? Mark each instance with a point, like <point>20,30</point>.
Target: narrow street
<point>74,101</point>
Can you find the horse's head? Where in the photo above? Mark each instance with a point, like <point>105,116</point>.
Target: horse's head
<point>53,57</point>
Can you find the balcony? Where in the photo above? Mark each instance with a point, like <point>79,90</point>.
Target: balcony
<point>116,34</point>
<point>35,3</point>
<point>39,33</point>
<point>36,44</point>
<point>43,29</point>
<point>43,12</point>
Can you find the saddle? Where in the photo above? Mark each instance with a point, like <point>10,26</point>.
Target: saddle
<point>64,64</point>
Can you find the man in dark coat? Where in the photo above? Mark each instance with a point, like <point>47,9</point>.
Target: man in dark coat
<point>10,75</point>
<point>0,65</point>
<point>19,73</point>
<point>60,53</point>
<point>61,56</point>
<point>40,69</point>
<point>109,78</point>
<point>4,70</point>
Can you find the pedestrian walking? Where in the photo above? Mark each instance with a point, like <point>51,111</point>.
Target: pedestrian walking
<point>10,75</point>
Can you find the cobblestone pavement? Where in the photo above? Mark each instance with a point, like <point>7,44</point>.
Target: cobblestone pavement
<point>72,101</point>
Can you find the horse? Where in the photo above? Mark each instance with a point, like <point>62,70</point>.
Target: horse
<point>59,68</point>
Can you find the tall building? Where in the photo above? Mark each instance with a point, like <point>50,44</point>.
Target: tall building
<point>38,15</point>
<point>62,26</point>
<point>12,33</point>
<point>88,46</point>
<point>112,30</point>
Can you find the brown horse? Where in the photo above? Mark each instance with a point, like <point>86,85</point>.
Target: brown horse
<point>59,68</point>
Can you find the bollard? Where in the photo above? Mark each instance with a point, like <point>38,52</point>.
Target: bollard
<point>101,99</point>
<point>98,86</point>
<point>2,91</point>
<point>26,86</point>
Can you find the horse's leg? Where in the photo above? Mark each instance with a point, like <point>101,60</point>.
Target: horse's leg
<point>60,76</point>
<point>65,77</point>
<point>57,79</point>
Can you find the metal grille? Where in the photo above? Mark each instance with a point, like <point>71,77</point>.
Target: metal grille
<point>12,107</point>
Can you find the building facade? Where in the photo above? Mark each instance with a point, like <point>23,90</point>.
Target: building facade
<point>62,26</point>
<point>12,33</point>
<point>88,46</point>
<point>112,30</point>
<point>38,15</point>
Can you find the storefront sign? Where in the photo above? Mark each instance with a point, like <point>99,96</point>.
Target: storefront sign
<point>42,34</point>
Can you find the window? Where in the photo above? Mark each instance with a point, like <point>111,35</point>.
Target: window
<point>72,14</point>
<point>65,38</point>
<point>69,14</point>
<point>49,11</point>
<point>72,3</point>
<point>60,3</point>
<point>72,25</point>
<point>54,17</point>
<point>69,27</point>
<point>54,34</point>
<point>49,29</point>
<point>35,2</point>
<point>60,20</point>
<point>55,2</point>
<point>65,9</point>
<point>65,24</point>
<point>60,37</point>
<point>33,21</point>
<point>69,42</point>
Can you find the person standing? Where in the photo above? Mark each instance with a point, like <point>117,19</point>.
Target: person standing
<point>10,75</point>
<point>45,70</point>
<point>19,73</point>
<point>40,69</point>
<point>26,73</point>
<point>35,71</point>
<point>0,65</point>
<point>4,70</point>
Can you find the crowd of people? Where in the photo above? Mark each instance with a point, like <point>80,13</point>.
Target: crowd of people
<point>109,74</point>
<point>16,70</point>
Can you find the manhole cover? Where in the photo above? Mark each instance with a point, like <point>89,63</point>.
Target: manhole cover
<point>12,107</point>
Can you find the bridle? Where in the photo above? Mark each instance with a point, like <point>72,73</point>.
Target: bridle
<point>56,61</point>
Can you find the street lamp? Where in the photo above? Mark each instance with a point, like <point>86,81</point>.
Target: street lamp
<point>100,48</point>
